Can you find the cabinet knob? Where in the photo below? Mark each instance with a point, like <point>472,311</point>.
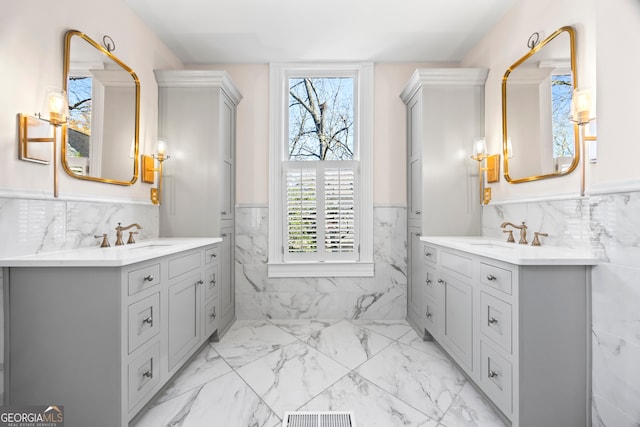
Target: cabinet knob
<point>492,373</point>
<point>148,374</point>
<point>199,282</point>
<point>427,254</point>
<point>213,314</point>
<point>224,212</point>
<point>148,278</point>
<point>224,234</point>
<point>441,281</point>
<point>429,315</point>
<point>492,320</point>
<point>429,281</point>
<point>212,282</point>
<point>418,212</point>
<point>491,277</point>
<point>213,255</point>
<point>148,320</point>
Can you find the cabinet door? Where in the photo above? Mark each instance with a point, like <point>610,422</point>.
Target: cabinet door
<point>227,135</point>
<point>414,278</point>
<point>456,319</point>
<point>414,157</point>
<point>227,283</point>
<point>184,317</point>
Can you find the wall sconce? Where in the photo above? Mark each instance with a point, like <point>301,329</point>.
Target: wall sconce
<point>148,168</point>
<point>32,131</point>
<point>581,114</point>
<point>492,168</point>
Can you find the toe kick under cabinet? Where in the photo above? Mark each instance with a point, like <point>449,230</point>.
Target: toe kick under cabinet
<point>520,332</point>
<point>103,340</point>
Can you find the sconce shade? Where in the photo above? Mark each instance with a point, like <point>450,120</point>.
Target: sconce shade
<point>479,149</point>
<point>57,106</point>
<point>581,106</point>
<point>161,150</point>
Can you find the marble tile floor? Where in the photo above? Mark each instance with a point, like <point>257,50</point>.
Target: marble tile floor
<point>381,370</point>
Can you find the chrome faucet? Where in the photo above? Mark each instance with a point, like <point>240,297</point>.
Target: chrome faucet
<point>522,228</point>
<point>120,229</point>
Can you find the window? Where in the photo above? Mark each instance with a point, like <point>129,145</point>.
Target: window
<point>320,200</point>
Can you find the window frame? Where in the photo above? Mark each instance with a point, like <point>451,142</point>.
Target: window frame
<point>280,73</point>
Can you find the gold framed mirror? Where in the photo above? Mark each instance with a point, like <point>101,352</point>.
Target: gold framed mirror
<point>539,139</point>
<point>100,140</point>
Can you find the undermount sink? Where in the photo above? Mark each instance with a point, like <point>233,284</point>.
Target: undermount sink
<point>135,247</point>
<point>494,245</point>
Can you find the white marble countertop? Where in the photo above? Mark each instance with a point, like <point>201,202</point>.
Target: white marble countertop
<point>514,253</point>
<point>114,256</point>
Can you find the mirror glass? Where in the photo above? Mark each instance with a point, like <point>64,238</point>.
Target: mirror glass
<point>101,135</point>
<point>539,139</point>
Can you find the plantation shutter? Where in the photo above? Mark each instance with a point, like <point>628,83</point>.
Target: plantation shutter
<point>321,210</point>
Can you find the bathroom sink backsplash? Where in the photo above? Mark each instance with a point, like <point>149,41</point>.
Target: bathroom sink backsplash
<point>31,226</point>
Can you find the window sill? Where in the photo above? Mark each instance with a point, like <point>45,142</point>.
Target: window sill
<point>321,269</point>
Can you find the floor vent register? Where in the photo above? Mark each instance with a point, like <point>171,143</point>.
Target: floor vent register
<point>318,419</point>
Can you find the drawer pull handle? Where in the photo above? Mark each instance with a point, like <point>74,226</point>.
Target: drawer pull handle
<point>492,373</point>
<point>429,281</point>
<point>148,320</point>
<point>212,282</point>
<point>492,320</point>
<point>441,281</point>
<point>213,255</point>
<point>224,234</point>
<point>199,282</point>
<point>491,277</point>
<point>213,315</point>
<point>427,254</point>
<point>224,212</point>
<point>429,315</point>
<point>148,278</point>
<point>418,212</point>
<point>148,374</point>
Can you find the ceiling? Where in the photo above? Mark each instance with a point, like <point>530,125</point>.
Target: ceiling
<point>258,31</point>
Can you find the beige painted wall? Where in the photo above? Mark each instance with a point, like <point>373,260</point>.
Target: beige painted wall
<point>253,132</point>
<point>618,30</point>
<point>31,53</point>
<point>505,44</point>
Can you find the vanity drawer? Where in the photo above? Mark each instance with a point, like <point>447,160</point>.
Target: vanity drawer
<point>495,277</point>
<point>458,263</point>
<point>144,320</point>
<point>430,254</point>
<point>144,374</point>
<point>496,320</point>
<point>143,278</point>
<point>212,311</point>
<point>431,316</point>
<point>430,282</point>
<point>184,264</point>
<point>211,283</point>
<point>211,255</point>
<point>496,377</point>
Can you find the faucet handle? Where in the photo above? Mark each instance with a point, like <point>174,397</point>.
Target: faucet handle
<point>130,241</point>
<point>105,240</point>
<point>536,240</point>
<point>510,238</point>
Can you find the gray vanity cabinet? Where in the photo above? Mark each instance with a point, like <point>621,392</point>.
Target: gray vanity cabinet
<point>197,116</point>
<point>101,341</point>
<point>520,332</point>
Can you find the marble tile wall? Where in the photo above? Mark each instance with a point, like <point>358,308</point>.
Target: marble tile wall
<point>381,297</point>
<point>610,224</point>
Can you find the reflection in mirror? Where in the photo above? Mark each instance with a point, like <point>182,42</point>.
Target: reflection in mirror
<point>101,137</point>
<point>539,139</point>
